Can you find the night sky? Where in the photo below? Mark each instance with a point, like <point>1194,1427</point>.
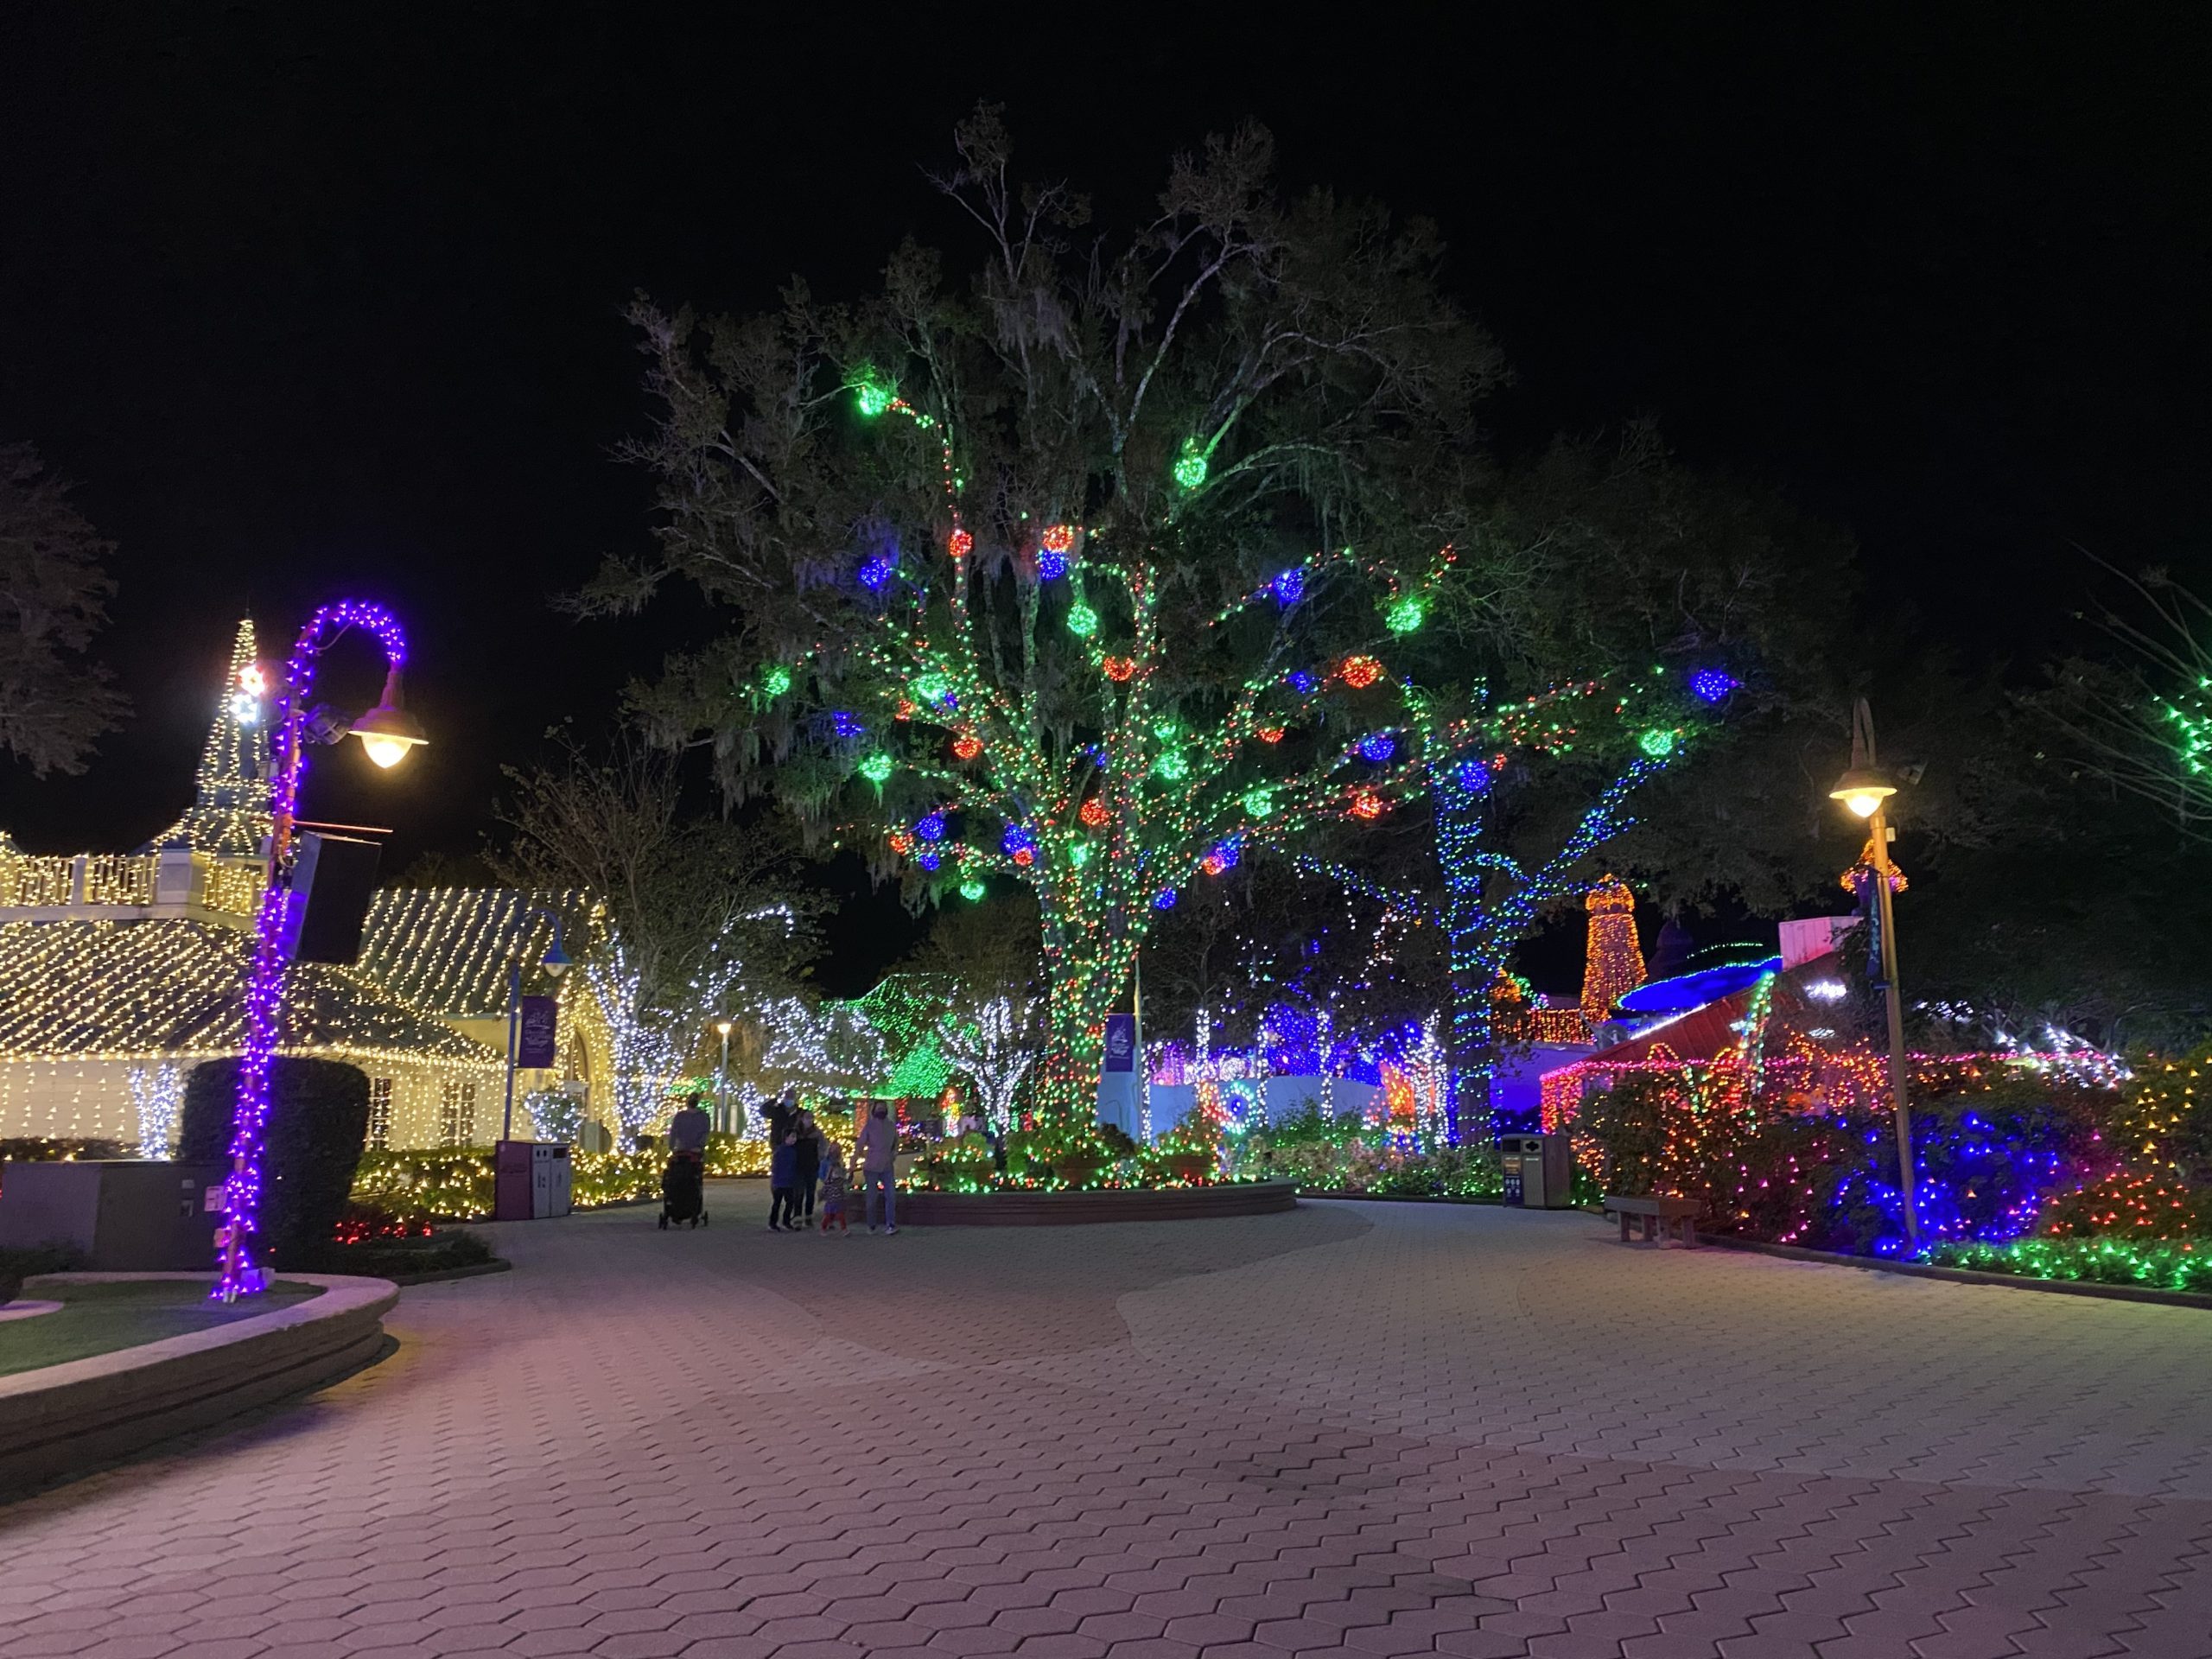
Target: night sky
<point>315,300</point>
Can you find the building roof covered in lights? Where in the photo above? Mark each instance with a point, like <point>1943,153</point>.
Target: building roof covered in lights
<point>123,989</point>
<point>445,950</point>
<point>1812,997</point>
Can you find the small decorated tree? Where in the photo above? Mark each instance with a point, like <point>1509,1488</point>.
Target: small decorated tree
<point>1083,574</point>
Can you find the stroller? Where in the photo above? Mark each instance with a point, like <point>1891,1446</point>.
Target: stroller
<point>684,1189</point>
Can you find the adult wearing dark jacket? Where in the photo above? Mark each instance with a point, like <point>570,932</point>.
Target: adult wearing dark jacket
<point>810,1162</point>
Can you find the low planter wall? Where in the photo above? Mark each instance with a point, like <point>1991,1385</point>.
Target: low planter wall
<point>1070,1209</point>
<point>63,1419</point>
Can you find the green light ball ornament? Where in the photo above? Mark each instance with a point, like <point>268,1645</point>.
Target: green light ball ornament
<point>1190,465</point>
<point>1082,622</point>
<point>1079,854</point>
<point>1658,743</point>
<point>775,679</point>
<point>1172,767</point>
<point>876,768</point>
<point>872,399</point>
<point>971,890</point>
<point>1407,614</point>
<point>1259,802</point>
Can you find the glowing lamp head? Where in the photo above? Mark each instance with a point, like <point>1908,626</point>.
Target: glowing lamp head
<point>723,1028</point>
<point>1863,789</point>
<point>556,962</point>
<point>388,731</point>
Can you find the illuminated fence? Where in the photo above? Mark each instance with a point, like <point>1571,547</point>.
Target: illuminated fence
<point>26,881</point>
<point>119,878</point>
<point>234,889</point>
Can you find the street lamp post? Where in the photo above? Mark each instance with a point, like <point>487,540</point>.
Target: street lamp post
<point>387,732</point>
<point>722,1028</point>
<point>554,963</point>
<point>1863,789</point>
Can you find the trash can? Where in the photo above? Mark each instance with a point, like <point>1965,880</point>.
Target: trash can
<point>1539,1170</point>
<point>531,1180</point>
<point>552,1182</point>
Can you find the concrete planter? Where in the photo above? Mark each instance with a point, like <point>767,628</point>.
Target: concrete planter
<point>64,1419</point>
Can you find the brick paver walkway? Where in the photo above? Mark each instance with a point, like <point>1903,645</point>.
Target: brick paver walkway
<point>1366,1428</point>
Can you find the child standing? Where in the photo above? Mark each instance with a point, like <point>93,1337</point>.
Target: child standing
<point>782,1184</point>
<point>833,1186</point>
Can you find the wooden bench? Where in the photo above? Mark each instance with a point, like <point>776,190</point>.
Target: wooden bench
<point>1659,1211</point>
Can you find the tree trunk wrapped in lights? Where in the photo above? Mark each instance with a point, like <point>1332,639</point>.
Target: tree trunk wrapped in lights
<point>1023,575</point>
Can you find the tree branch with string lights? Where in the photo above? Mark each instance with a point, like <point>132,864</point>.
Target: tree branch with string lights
<point>1079,573</point>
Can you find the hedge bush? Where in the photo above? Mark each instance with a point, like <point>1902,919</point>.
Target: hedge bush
<point>318,1125</point>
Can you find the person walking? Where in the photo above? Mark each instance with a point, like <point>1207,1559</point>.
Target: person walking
<point>783,1176</point>
<point>809,1165</point>
<point>878,1151</point>
<point>833,1187</point>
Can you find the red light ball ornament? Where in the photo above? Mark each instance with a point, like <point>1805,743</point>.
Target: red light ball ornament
<point>1058,539</point>
<point>901,842</point>
<point>1271,734</point>
<point>1360,672</point>
<point>1211,864</point>
<point>1367,806</point>
<point>1093,813</point>
<point>967,746</point>
<point>960,543</point>
<point>1025,856</point>
<point>1120,669</point>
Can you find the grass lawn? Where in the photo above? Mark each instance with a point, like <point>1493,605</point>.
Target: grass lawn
<point>100,1319</point>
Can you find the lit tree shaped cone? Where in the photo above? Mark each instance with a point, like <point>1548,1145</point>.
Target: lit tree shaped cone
<point>1023,577</point>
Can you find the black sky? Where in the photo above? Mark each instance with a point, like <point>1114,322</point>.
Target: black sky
<point>314,299</point>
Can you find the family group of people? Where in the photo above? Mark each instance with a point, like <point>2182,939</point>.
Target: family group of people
<point>804,1161</point>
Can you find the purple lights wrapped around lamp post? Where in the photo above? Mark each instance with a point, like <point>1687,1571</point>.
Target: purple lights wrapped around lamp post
<point>264,997</point>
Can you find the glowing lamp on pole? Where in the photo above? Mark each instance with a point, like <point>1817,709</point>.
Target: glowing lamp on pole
<point>1864,791</point>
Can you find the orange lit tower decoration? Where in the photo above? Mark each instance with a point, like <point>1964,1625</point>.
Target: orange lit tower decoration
<point>1613,962</point>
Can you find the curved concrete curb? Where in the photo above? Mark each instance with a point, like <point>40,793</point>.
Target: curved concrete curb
<point>1113,1204</point>
<point>2090,1287</point>
<point>64,1418</point>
